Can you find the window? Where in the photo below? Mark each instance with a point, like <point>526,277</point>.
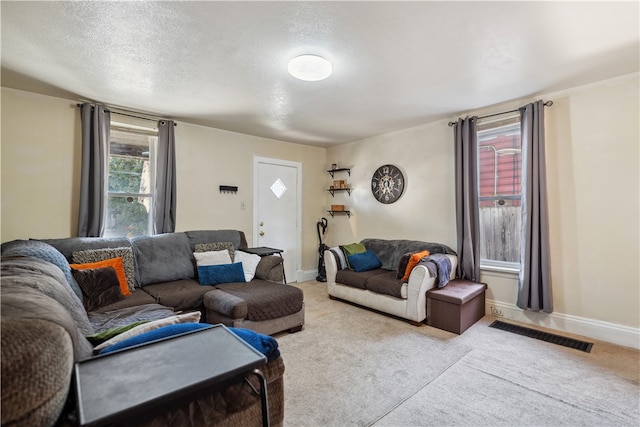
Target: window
<point>500,175</point>
<point>131,181</point>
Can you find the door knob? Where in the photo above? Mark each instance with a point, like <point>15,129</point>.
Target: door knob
<point>261,223</point>
<point>262,233</point>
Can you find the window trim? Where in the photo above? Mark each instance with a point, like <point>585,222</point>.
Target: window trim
<point>152,134</point>
<point>510,125</point>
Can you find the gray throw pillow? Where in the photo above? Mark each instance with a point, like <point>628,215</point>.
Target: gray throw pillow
<point>100,287</point>
<point>163,258</point>
<point>95,255</point>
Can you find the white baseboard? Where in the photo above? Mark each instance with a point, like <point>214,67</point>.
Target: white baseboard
<point>305,275</point>
<point>596,329</point>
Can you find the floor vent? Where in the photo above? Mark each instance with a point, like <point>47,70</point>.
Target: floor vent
<point>544,336</point>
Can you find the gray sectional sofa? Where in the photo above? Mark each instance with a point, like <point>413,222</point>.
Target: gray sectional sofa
<point>45,326</point>
<point>381,288</point>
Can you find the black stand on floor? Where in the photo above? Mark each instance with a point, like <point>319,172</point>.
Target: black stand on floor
<point>322,272</point>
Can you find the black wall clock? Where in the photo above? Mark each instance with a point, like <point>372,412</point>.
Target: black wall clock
<point>387,184</point>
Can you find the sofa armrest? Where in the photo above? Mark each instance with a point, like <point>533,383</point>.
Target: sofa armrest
<point>420,281</point>
<point>270,268</point>
<point>331,269</point>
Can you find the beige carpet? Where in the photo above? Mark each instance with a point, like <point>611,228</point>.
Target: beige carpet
<point>353,367</point>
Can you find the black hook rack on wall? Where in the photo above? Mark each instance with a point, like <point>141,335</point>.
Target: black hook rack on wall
<point>228,189</point>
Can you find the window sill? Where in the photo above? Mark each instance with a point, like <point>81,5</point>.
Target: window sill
<point>511,271</point>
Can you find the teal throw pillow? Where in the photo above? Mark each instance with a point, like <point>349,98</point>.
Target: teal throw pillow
<point>353,248</point>
<point>364,261</point>
<point>221,273</point>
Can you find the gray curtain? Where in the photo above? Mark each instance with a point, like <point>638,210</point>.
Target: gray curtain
<point>164,207</point>
<point>534,292</point>
<point>467,214</point>
<point>95,122</point>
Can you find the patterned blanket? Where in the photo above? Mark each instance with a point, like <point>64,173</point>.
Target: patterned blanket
<point>439,266</point>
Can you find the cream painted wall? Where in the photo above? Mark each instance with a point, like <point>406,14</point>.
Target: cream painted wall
<point>592,152</point>
<point>592,136</point>
<point>41,166</point>
<point>208,158</point>
<point>426,210</point>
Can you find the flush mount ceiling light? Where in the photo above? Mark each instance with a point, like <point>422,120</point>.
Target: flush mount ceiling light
<point>310,68</point>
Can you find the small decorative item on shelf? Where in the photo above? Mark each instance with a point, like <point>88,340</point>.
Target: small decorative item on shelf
<point>334,166</point>
<point>337,207</point>
<point>340,184</point>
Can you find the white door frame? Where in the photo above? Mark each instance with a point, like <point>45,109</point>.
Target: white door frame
<point>256,161</point>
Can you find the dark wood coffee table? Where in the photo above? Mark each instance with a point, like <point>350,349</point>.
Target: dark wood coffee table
<point>125,385</point>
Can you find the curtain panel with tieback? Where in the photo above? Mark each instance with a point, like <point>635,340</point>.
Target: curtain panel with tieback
<point>164,207</point>
<point>95,124</point>
<point>467,213</point>
<point>534,291</point>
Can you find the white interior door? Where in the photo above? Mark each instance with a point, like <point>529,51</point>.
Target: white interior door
<point>277,210</point>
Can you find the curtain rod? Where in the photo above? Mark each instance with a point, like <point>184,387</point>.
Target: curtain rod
<point>132,115</point>
<point>546,104</point>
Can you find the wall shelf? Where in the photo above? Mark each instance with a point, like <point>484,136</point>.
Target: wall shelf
<point>344,212</point>
<point>332,171</point>
<point>332,190</point>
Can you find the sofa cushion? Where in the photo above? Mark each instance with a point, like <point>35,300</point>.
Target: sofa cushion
<point>402,264</point>
<point>350,249</point>
<point>266,300</point>
<point>341,261</point>
<point>46,252</point>
<point>37,363</point>
<point>116,264</point>
<point>21,274</point>
<point>354,279</point>
<point>138,297</point>
<point>67,246</point>
<point>94,255</point>
<point>180,294</point>
<point>364,261</point>
<point>414,259</point>
<point>270,268</point>
<point>210,236</point>
<point>386,284</point>
<point>390,251</point>
<point>220,274</point>
<point>100,286</point>
<point>163,258</point>
<point>216,246</point>
<point>249,264</point>
<point>25,303</point>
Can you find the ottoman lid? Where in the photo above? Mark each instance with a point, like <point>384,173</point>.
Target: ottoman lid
<point>457,291</point>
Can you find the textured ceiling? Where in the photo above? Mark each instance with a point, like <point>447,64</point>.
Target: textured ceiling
<point>396,64</point>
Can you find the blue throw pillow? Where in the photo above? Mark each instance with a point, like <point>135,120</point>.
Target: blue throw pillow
<point>221,273</point>
<point>155,334</point>
<point>265,344</point>
<point>364,261</point>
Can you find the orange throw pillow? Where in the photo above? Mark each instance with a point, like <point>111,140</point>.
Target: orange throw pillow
<point>413,261</point>
<point>117,265</point>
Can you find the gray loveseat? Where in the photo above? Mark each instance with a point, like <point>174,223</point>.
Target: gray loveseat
<point>44,324</point>
<point>382,288</point>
